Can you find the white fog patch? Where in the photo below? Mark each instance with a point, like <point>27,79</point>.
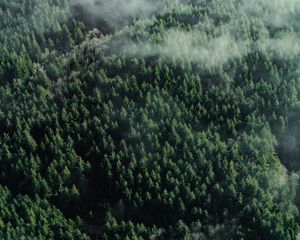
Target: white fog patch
<point>119,12</point>
<point>190,46</point>
<point>275,13</point>
<point>285,47</point>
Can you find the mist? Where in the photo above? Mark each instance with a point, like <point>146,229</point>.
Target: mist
<point>229,40</point>
<point>190,47</point>
<point>275,13</point>
<point>158,118</point>
<point>117,13</point>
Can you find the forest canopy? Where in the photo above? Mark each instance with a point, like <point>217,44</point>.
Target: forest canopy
<point>163,119</point>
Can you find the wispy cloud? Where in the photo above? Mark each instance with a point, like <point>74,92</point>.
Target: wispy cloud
<point>190,46</point>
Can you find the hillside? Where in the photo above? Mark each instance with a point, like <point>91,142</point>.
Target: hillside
<point>170,119</point>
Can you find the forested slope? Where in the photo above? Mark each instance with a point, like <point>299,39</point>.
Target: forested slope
<point>149,120</point>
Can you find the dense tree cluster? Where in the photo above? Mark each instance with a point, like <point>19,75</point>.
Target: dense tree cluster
<point>183,125</point>
<point>25,218</point>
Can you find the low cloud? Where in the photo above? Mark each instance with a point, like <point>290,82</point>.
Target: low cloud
<point>286,46</point>
<point>275,13</point>
<point>117,13</point>
<point>190,46</point>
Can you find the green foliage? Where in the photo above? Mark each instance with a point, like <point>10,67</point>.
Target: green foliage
<point>131,135</point>
<point>25,218</point>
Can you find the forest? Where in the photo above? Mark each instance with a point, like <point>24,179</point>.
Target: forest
<point>149,119</point>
